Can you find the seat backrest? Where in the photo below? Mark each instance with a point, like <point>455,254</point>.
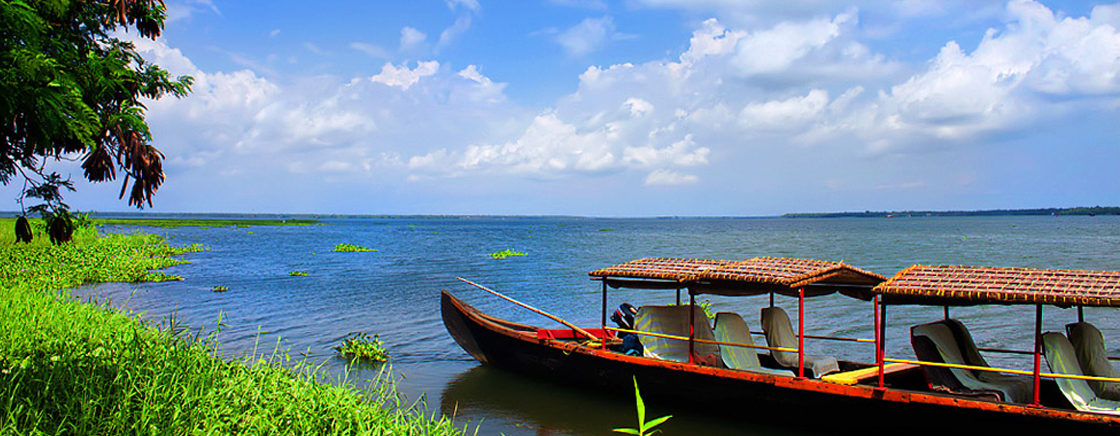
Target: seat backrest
<point>1062,359</point>
<point>779,333</point>
<point>730,327</point>
<point>968,350</point>
<point>673,320</point>
<point>1088,344</point>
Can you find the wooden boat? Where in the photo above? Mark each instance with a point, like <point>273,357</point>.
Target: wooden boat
<point>861,393</point>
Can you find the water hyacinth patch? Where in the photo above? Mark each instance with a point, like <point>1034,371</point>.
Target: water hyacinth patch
<point>351,248</point>
<point>297,273</point>
<point>359,345</point>
<point>506,253</point>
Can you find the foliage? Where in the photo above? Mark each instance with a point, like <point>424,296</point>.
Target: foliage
<point>297,273</point>
<point>506,253</point>
<point>219,288</point>
<point>643,426</point>
<point>351,248</point>
<point>68,367</point>
<point>359,345</point>
<point>71,89</point>
<point>706,305</point>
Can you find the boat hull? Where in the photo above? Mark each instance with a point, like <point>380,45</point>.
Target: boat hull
<point>753,396</point>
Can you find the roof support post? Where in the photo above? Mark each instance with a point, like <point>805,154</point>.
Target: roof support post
<point>946,312</point>
<point>1080,313</point>
<point>691,325</point>
<point>800,332</point>
<point>678,296</point>
<point>604,318</point>
<point>880,328</point>
<point>1037,351</point>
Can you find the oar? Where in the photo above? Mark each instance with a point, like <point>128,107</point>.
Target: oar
<point>551,316</point>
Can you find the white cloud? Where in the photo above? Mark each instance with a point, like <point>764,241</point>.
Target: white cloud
<point>667,177</point>
<point>402,77</point>
<point>791,115</point>
<point>589,35</point>
<point>370,49</point>
<point>412,39</point>
<point>452,33</point>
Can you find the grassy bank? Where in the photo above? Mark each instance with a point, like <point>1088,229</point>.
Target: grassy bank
<point>68,367</point>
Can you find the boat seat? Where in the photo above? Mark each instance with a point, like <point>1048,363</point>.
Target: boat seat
<point>730,327</point>
<point>1088,342</point>
<point>1062,359</point>
<point>937,342</point>
<point>779,333</point>
<point>673,320</point>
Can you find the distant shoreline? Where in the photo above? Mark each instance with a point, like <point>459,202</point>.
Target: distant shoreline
<point>1081,211</point>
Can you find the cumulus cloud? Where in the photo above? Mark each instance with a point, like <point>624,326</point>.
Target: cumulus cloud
<point>412,39</point>
<point>402,76</point>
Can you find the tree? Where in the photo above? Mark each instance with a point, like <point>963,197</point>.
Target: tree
<point>70,89</point>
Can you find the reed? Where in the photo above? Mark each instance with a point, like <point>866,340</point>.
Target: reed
<point>72,367</point>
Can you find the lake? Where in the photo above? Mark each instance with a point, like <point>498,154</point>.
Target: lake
<point>394,292</point>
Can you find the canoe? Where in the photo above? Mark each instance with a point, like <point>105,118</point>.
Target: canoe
<point>859,395</point>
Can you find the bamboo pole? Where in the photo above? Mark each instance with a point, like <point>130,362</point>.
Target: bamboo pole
<point>538,311</point>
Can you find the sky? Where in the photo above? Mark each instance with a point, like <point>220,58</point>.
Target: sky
<point>633,107</point>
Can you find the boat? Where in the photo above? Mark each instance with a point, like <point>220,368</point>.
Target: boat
<point>933,391</point>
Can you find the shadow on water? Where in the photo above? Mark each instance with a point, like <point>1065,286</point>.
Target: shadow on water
<point>502,402</point>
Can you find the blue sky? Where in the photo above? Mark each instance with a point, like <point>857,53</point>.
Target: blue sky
<point>634,108</point>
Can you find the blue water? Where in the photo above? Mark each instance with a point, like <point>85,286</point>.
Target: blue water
<point>394,292</point>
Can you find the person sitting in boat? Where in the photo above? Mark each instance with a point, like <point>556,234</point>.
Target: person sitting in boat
<point>624,317</point>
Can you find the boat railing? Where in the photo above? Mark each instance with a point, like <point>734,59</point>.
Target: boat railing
<point>1003,370</point>
<point>829,338</point>
<point>704,341</point>
<point>1025,353</point>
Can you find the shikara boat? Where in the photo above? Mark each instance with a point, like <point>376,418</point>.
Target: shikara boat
<point>946,386</point>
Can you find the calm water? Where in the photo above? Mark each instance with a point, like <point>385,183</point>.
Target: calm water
<point>395,292</point>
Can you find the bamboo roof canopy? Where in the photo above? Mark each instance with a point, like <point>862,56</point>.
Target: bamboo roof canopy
<point>971,285</point>
<point>748,277</point>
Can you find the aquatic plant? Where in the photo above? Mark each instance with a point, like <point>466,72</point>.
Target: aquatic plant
<point>359,345</point>
<point>297,273</point>
<point>219,288</point>
<point>351,248</point>
<point>643,426</point>
<point>171,223</point>
<point>506,253</point>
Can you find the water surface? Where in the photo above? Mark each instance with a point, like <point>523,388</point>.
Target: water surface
<point>394,292</point>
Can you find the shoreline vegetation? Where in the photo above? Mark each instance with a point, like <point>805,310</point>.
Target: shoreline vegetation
<point>1054,211</point>
<point>74,367</point>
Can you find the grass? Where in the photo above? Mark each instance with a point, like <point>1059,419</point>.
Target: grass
<point>505,254</point>
<point>351,248</point>
<point>359,345</point>
<point>72,367</point>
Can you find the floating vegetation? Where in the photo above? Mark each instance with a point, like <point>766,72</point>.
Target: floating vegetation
<point>351,248</point>
<point>359,345</point>
<point>297,273</point>
<point>606,230</point>
<point>506,253</point>
<point>220,288</point>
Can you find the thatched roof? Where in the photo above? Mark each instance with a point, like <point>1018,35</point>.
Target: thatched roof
<point>970,285</point>
<point>748,277</point>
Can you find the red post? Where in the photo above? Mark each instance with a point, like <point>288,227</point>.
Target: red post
<point>801,333</point>
<point>691,324</point>
<point>1037,351</point>
<point>603,344</point>
<point>878,341</point>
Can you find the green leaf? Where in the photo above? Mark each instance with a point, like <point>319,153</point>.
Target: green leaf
<point>626,431</point>
<point>647,426</point>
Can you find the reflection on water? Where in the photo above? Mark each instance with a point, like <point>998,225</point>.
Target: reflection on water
<point>394,292</point>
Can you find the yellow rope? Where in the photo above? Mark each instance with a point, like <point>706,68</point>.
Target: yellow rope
<point>703,341</point>
<point>1010,371</point>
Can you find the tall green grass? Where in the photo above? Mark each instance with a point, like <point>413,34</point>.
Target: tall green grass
<point>68,367</point>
